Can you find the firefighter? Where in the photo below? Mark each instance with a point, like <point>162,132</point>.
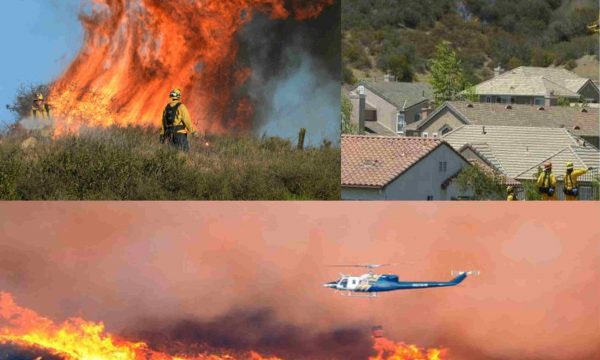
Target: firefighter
<point>176,123</point>
<point>570,188</point>
<point>546,182</point>
<point>40,109</point>
<point>510,191</point>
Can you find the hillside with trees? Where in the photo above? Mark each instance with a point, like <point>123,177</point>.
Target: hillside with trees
<point>401,36</point>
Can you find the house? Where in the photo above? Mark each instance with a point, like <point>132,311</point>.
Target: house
<point>580,121</point>
<point>399,168</point>
<point>518,152</point>
<point>386,107</point>
<point>536,86</point>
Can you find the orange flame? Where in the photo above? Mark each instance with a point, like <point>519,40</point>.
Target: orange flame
<point>390,350</point>
<point>136,51</point>
<point>77,339</point>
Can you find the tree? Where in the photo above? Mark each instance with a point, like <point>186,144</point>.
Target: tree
<point>484,186</point>
<point>447,76</point>
<point>399,66</point>
<point>348,127</point>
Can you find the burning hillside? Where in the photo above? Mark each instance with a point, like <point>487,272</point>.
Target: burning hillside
<point>79,339</point>
<point>23,330</point>
<point>135,51</point>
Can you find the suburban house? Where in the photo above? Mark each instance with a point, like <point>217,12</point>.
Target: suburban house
<point>519,151</point>
<point>399,168</point>
<point>580,121</point>
<point>386,107</point>
<point>536,86</point>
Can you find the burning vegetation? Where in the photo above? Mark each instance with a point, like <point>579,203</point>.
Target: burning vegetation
<point>135,51</point>
<point>24,331</point>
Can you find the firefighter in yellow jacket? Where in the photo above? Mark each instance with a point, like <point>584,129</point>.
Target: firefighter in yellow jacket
<point>546,183</point>
<point>571,188</point>
<point>176,123</point>
<point>510,191</point>
<point>40,109</point>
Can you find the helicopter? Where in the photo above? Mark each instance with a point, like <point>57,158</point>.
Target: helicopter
<point>370,284</point>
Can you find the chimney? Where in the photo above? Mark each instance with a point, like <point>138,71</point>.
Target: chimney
<point>362,99</point>
<point>498,70</point>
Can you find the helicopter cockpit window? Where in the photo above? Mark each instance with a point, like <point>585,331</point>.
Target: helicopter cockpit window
<point>344,282</point>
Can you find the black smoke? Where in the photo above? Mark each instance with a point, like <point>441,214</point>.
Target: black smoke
<point>296,74</point>
<point>257,330</point>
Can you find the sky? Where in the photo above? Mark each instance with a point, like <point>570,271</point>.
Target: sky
<point>39,39</point>
<point>195,272</point>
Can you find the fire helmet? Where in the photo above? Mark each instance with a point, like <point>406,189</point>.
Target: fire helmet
<point>175,94</point>
<point>569,165</point>
<point>39,96</point>
<point>547,165</point>
<point>509,189</point>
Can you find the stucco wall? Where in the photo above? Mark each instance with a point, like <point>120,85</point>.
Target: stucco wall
<point>444,117</point>
<point>349,193</point>
<point>589,91</point>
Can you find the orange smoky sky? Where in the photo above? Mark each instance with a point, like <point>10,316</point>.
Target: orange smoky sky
<point>537,294</point>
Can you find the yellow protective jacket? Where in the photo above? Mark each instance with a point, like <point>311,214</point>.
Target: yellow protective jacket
<point>571,179</point>
<point>549,182</point>
<point>42,112</point>
<point>182,118</point>
<point>511,197</point>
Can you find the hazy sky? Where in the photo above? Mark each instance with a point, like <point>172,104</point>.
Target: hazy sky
<point>39,39</point>
<point>120,262</point>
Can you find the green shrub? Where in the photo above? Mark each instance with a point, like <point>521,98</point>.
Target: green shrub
<point>130,164</point>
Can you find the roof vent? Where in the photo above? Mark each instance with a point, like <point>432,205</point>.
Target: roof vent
<point>370,163</point>
<point>483,130</point>
<point>508,107</point>
<point>584,110</point>
<point>576,127</point>
<point>540,108</point>
<point>469,105</point>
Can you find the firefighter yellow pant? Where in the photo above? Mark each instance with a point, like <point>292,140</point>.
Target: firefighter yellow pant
<point>549,198</point>
<point>570,198</point>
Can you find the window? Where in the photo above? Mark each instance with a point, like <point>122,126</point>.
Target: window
<point>417,117</point>
<point>443,166</point>
<point>344,283</point>
<point>425,134</point>
<point>429,197</point>
<point>488,99</point>
<point>445,129</point>
<point>401,123</point>
<point>539,101</point>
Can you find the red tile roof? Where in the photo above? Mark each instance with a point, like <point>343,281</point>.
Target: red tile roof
<point>374,161</point>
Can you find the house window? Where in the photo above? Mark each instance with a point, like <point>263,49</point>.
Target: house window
<point>539,101</point>
<point>429,197</point>
<point>488,99</point>
<point>417,117</point>
<point>401,123</point>
<point>445,129</point>
<point>425,134</point>
<point>443,166</point>
<point>512,100</point>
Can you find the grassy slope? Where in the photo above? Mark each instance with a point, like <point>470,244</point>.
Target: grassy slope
<point>130,164</point>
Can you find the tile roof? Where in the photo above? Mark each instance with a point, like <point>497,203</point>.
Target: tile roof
<point>571,118</point>
<point>400,94</point>
<point>559,160</point>
<point>374,161</point>
<point>536,81</point>
<point>517,149</point>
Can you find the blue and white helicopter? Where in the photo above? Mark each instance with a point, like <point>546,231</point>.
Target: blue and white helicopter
<point>368,285</point>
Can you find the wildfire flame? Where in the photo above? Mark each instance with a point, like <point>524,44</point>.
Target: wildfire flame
<point>77,339</point>
<point>389,350</point>
<point>136,51</point>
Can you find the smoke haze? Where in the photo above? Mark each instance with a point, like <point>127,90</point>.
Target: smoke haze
<point>249,274</point>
